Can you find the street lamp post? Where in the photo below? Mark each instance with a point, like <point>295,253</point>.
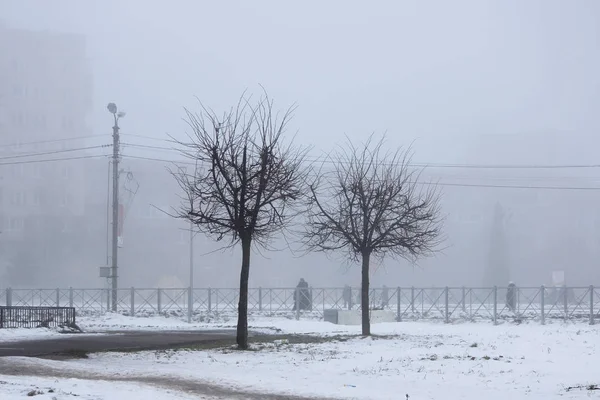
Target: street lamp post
<point>112,108</point>
<point>191,294</point>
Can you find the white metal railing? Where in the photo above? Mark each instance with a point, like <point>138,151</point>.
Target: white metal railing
<point>447,304</point>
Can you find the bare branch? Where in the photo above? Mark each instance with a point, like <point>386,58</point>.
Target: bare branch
<point>247,182</point>
<point>372,203</point>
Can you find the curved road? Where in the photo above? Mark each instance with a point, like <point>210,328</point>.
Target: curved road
<point>86,342</point>
<point>116,341</point>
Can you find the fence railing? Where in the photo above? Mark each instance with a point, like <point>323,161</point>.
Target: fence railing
<point>32,317</point>
<point>409,303</point>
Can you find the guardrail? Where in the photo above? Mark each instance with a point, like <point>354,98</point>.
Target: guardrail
<point>446,304</point>
<point>33,317</point>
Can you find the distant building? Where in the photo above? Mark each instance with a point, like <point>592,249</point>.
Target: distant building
<point>155,244</point>
<point>45,97</point>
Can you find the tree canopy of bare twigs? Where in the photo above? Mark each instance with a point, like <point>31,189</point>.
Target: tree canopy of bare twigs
<point>372,204</point>
<point>247,181</point>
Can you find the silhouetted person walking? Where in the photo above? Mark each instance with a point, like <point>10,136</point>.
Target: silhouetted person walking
<point>347,296</point>
<point>511,296</point>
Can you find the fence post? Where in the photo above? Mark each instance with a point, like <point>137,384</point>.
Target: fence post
<point>464,299</point>
<point>495,305</point>
<point>297,302</point>
<point>132,301</point>
<point>566,302</point>
<point>57,297</point>
<point>209,299</point>
<point>446,305</point>
<point>9,297</point>
<point>542,301</point>
<point>71,297</point>
<point>260,299</point>
<point>158,301</point>
<point>592,305</point>
<point>107,299</point>
<point>412,298</point>
<point>398,298</point>
<point>190,307</point>
<point>350,300</point>
<point>217,301</point>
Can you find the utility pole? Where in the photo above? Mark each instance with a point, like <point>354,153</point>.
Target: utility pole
<point>191,255</point>
<point>112,108</point>
<point>191,294</point>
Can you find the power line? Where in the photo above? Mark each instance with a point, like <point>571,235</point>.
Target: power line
<point>151,138</point>
<point>158,160</point>
<point>449,184</point>
<point>153,148</point>
<point>484,185</point>
<point>510,186</point>
<point>52,160</point>
<point>50,141</point>
<point>54,152</point>
<point>334,160</point>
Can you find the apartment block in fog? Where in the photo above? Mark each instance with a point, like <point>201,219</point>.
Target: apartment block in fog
<point>45,101</point>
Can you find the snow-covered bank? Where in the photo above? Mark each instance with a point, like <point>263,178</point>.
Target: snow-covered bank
<point>17,388</point>
<point>423,360</point>
<point>19,334</point>
<point>118,322</point>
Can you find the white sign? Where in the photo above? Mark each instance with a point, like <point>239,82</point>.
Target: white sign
<point>558,278</point>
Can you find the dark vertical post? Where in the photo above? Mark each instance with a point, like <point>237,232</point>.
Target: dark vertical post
<point>190,303</point>
<point>495,305</point>
<point>542,301</point>
<point>592,305</point>
<point>446,305</point>
<point>398,305</point>
<point>158,301</point>
<point>297,302</point>
<point>566,302</point>
<point>115,212</point>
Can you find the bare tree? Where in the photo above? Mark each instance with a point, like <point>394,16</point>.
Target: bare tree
<point>372,204</point>
<point>246,183</point>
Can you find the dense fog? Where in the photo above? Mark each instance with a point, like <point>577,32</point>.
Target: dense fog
<point>498,100</point>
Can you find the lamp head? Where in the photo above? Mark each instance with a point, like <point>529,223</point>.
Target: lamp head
<point>112,108</point>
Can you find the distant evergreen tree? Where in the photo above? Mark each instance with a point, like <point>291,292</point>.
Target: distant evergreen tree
<point>497,272</point>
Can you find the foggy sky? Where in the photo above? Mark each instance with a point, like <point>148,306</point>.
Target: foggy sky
<point>467,81</point>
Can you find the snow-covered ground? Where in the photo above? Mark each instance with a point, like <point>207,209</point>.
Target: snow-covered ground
<point>118,322</point>
<point>18,334</point>
<point>16,388</point>
<point>423,360</point>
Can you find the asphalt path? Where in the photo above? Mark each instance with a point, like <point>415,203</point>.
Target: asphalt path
<point>139,340</point>
<point>114,341</point>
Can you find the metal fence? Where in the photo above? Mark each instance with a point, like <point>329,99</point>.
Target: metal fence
<point>446,304</point>
<point>32,317</point>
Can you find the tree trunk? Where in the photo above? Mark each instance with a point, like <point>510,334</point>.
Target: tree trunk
<point>364,298</point>
<point>242,326</point>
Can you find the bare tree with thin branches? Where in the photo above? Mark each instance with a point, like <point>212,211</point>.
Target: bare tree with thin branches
<point>247,181</point>
<point>372,204</point>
